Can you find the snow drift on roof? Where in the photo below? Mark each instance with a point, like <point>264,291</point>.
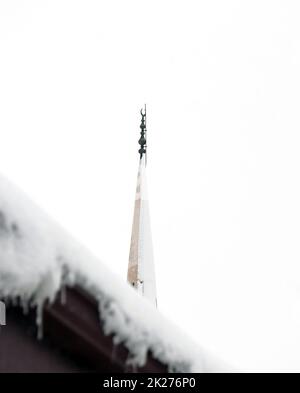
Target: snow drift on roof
<point>37,257</point>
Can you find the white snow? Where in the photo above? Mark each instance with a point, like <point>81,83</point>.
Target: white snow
<point>37,258</point>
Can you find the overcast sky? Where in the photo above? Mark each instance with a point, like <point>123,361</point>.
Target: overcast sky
<point>222,85</point>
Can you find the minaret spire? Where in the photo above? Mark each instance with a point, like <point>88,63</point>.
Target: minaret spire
<point>141,274</point>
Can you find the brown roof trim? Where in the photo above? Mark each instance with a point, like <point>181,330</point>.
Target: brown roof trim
<point>75,327</point>
<point>73,340</point>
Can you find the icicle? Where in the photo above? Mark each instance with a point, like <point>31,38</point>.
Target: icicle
<point>2,313</point>
<point>25,305</point>
<point>63,295</point>
<point>39,321</point>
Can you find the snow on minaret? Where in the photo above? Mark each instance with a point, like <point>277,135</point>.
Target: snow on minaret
<point>141,273</point>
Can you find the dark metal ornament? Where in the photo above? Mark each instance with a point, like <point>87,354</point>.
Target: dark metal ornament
<point>142,140</point>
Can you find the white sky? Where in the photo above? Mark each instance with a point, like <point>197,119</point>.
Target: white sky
<point>222,83</point>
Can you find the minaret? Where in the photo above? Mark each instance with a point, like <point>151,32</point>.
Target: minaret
<point>141,274</point>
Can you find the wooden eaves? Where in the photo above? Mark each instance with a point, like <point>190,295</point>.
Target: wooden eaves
<point>73,340</point>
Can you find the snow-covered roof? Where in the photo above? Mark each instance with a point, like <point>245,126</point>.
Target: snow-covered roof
<point>37,258</point>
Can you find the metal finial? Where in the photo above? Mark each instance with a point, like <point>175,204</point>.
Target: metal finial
<point>142,140</point>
